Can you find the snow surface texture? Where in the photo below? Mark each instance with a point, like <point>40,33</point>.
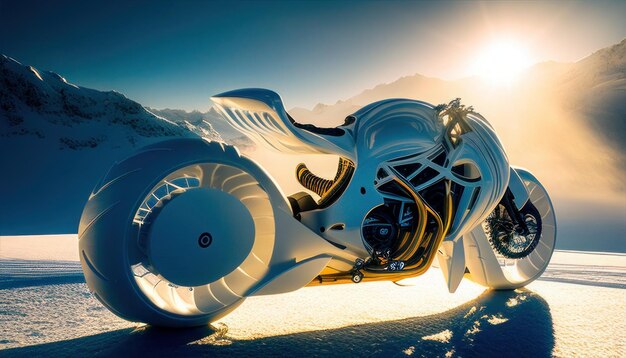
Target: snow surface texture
<point>576,309</point>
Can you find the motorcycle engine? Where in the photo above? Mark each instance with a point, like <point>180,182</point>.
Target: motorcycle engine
<point>384,227</point>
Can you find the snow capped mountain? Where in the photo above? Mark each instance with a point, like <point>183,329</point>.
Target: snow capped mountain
<point>194,121</point>
<point>202,123</point>
<point>57,139</point>
<point>605,65</point>
<point>42,105</point>
<point>596,88</point>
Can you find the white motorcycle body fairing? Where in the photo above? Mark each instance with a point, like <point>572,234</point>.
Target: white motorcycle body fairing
<point>181,232</point>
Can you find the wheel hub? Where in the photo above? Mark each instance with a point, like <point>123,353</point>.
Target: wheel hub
<point>510,239</point>
<point>200,236</point>
<point>205,240</point>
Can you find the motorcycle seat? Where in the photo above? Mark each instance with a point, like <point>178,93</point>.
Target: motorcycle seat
<point>331,131</point>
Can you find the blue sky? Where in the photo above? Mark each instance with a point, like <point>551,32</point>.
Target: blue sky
<point>177,54</point>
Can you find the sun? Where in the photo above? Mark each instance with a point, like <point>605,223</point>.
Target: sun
<point>501,62</point>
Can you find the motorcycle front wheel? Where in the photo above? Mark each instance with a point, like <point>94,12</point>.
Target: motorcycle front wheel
<point>503,258</point>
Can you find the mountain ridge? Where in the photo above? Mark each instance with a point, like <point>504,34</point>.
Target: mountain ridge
<point>58,139</point>
<point>617,50</point>
<point>33,100</point>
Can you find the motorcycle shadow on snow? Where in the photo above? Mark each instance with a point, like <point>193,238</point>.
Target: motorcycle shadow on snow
<point>495,323</point>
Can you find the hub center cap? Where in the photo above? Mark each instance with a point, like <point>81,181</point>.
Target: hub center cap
<point>205,240</point>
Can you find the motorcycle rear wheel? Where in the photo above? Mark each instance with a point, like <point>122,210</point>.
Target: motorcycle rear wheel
<point>138,273</point>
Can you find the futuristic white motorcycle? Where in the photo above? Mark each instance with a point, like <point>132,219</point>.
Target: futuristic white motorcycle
<point>180,233</point>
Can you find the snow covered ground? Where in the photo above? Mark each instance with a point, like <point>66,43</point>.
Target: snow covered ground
<point>576,309</point>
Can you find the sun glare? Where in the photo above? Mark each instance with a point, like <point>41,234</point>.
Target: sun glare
<point>501,62</point>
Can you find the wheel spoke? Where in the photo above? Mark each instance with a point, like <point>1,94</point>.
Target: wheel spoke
<point>504,234</point>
